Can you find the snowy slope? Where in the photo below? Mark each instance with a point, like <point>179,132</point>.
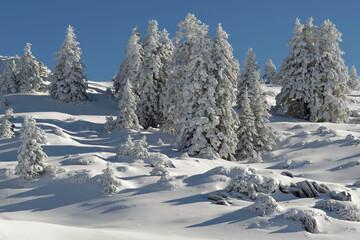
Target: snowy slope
<point>69,204</point>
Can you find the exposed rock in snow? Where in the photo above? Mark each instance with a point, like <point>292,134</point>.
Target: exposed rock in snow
<point>341,196</point>
<point>304,189</point>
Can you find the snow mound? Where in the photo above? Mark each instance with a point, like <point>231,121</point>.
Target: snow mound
<point>265,205</point>
<point>160,159</point>
<point>346,210</point>
<point>80,176</point>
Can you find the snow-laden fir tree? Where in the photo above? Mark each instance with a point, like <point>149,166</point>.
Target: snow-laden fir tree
<point>331,77</point>
<point>245,80</point>
<point>270,72</point>
<point>129,68</point>
<point>296,74</point>
<point>148,109</point>
<point>265,138</point>
<point>354,80</point>
<point>7,127</point>
<point>68,81</point>
<point>44,71</point>
<point>199,113</point>
<point>165,52</point>
<point>8,82</point>
<point>38,134</point>
<point>31,158</point>
<point>28,77</point>
<point>247,132</point>
<point>226,73</point>
<point>108,181</point>
<point>127,117</point>
<point>177,69</point>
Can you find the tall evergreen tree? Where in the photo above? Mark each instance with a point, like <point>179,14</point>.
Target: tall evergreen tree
<point>330,87</point>
<point>226,73</point>
<point>245,79</point>
<point>265,138</point>
<point>270,72</point>
<point>129,68</point>
<point>28,77</point>
<point>166,49</point>
<point>148,108</point>
<point>177,69</point>
<point>8,78</point>
<point>198,111</point>
<point>296,74</point>
<point>68,81</point>
<point>354,80</point>
<point>247,132</point>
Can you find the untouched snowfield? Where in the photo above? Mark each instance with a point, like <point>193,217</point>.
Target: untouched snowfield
<point>69,203</point>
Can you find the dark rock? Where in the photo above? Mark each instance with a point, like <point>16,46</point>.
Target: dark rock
<point>289,174</point>
<point>341,196</point>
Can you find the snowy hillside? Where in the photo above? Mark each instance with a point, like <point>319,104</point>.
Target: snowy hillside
<point>68,203</point>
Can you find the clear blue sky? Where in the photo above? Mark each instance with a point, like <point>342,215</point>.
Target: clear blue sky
<point>103,27</point>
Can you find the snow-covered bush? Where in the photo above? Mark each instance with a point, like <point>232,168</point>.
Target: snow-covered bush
<point>137,149</point>
<point>159,170</point>
<point>110,124</point>
<point>80,176</point>
<point>108,181</point>
<point>265,205</point>
<point>58,131</point>
<point>346,210</point>
<point>31,158</point>
<point>68,82</point>
<point>252,185</point>
<point>306,217</point>
<point>7,127</point>
<point>160,158</point>
<point>160,142</point>
<point>38,133</point>
<point>86,160</point>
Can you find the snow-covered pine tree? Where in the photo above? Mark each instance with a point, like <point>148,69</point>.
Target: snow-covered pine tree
<point>199,111</point>
<point>354,80</point>
<point>166,49</point>
<point>28,77</point>
<point>129,68</point>
<point>8,78</point>
<point>226,73</point>
<point>31,156</point>
<point>330,85</point>
<point>247,132</point>
<point>7,127</point>
<point>108,181</point>
<point>177,68</point>
<point>68,82</point>
<point>245,80</point>
<point>296,74</point>
<point>127,117</point>
<point>270,72</point>
<point>265,138</point>
<point>148,109</point>
<point>38,133</point>
<point>44,71</point>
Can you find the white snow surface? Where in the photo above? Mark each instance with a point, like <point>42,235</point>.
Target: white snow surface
<point>68,203</point>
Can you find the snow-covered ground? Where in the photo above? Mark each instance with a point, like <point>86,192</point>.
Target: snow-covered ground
<point>69,203</point>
